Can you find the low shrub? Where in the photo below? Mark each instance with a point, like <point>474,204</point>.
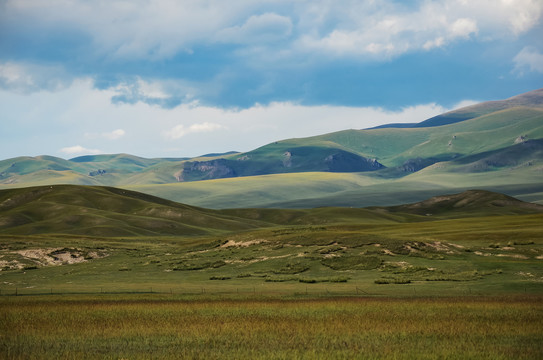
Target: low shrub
<point>292,268</point>
<point>220,278</point>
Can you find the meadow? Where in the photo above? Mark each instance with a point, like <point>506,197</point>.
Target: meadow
<point>427,280</point>
<point>201,327</point>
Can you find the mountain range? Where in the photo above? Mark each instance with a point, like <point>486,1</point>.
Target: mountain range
<point>496,145</point>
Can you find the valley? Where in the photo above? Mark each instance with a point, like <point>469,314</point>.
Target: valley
<point>108,239</point>
<point>495,146</point>
<point>349,243</point>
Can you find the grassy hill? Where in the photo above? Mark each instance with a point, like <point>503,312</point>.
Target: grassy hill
<point>104,211</point>
<point>306,190</point>
<point>496,146</point>
<point>469,203</point>
<point>530,99</point>
<point>87,239</point>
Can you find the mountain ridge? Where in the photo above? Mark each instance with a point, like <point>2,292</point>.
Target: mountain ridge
<point>531,99</point>
<point>501,136</point>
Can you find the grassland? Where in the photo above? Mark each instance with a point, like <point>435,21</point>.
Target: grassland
<point>499,151</point>
<point>316,189</point>
<point>454,277</point>
<point>98,272</point>
<point>390,254</point>
<point>70,239</point>
<point>169,327</point>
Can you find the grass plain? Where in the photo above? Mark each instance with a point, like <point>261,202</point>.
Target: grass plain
<point>326,283</point>
<point>169,327</point>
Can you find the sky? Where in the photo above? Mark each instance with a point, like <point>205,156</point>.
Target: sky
<point>166,78</point>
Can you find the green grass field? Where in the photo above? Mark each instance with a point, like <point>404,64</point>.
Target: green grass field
<point>459,276</point>
<point>69,239</point>
<point>492,255</point>
<point>170,327</point>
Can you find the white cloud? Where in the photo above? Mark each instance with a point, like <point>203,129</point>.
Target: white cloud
<point>109,135</point>
<point>386,30</point>
<point>530,59</point>
<point>25,78</point>
<point>267,27</point>
<point>114,135</point>
<point>180,130</point>
<point>126,29</point>
<point>463,28</point>
<point>161,29</point>
<point>437,42</point>
<point>79,150</point>
<point>82,109</point>
<point>522,14</point>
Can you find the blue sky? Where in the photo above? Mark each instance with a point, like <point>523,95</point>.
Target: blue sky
<point>163,78</point>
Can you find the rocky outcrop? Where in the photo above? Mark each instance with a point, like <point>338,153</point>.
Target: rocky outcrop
<point>287,159</point>
<point>205,170</point>
<point>97,172</point>
<point>414,165</point>
<point>291,160</point>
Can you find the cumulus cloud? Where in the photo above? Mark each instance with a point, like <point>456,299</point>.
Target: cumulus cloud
<point>209,51</point>
<point>463,28</point>
<point>394,34</point>
<point>161,29</point>
<point>165,93</point>
<point>528,59</point>
<point>155,29</point>
<point>180,130</point>
<point>384,29</point>
<point>114,135</point>
<point>267,27</point>
<point>79,150</point>
<point>155,131</point>
<point>27,78</point>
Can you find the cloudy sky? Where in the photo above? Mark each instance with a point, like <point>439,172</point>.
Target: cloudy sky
<point>166,78</point>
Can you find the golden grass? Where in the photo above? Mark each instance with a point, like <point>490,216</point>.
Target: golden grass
<point>143,327</point>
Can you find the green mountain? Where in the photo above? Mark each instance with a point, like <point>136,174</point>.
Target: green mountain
<point>495,145</point>
<point>530,99</point>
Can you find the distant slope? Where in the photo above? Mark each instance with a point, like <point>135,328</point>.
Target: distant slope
<point>347,168</point>
<point>112,212</point>
<point>469,203</point>
<point>83,170</point>
<point>279,158</point>
<point>533,99</point>
<point>392,147</point>
<point>105,211</point>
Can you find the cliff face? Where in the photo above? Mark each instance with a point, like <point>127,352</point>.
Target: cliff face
<point>206,170</point>
<point>290,161</point>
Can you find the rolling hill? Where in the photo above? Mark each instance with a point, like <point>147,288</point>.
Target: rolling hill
<point>495,145</point>
<point>469,203</point>
<point>530,99</point>
<point>88,239</point>
<point>107,211</point>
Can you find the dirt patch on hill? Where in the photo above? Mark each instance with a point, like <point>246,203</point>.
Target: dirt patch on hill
<point>10,265</point>
<point>232,243</point>
<point>58,256</point>
<point>514,256</point>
